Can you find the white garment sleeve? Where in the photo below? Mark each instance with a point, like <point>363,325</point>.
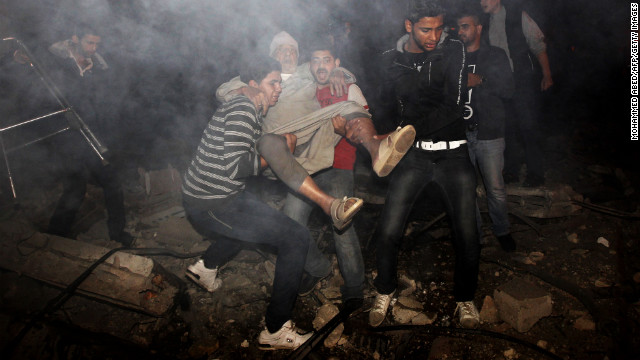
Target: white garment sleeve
<point>355,94</point>
<point>533,34</point>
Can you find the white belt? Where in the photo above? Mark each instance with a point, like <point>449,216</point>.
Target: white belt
<point>440,145</point>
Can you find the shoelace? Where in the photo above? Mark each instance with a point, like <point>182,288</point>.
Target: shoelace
<point>380,300</point>
<point>466,309</point>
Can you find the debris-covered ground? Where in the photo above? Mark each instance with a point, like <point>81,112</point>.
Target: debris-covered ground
<point>575,274</point>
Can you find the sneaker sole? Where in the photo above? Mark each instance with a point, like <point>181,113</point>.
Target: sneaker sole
<point>193,277</point>
<point>403,142</point>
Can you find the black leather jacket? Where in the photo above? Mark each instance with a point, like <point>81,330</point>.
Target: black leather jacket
<point>426,90</point>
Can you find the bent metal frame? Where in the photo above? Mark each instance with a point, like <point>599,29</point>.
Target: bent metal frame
<point>74,120</point>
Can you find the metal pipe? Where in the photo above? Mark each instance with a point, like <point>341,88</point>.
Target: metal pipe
<point>34,119</point>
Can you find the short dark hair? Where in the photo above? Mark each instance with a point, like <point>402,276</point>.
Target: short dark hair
<point>471,9</point>
<point>258,68</point>
<point>321,43</point>
<point>83,29</point>
<point>419,9</point>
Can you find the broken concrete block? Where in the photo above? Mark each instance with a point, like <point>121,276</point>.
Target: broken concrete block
<point>325,313</point>
<point>521,304</point>
<point>584,323</point>
<point>573,238</point>
<point>410,303</point>
<point>403,315</point>
<point>424,319</point>
<point>602,241</point>
<point>408,285</point>
<point>489,311</point>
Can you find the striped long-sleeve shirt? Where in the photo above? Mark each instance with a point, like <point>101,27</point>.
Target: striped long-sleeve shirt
<point>226,155</point>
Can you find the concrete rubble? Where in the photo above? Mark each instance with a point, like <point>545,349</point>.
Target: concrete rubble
<point>521,303</point>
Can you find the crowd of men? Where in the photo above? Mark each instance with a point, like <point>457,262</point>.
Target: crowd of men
<point>446,106</point>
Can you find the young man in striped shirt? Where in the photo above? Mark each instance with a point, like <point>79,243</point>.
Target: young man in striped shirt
<point>231,150</point>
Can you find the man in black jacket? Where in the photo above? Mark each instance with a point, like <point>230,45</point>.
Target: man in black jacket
<point>424,85</point>
<point>83,77</point>
<point>489,82</point>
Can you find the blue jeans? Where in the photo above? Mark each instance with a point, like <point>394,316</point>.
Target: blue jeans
<point>488,157</point>
<point>451,172</point>
<point>337,183</point>
<point>244,218</point>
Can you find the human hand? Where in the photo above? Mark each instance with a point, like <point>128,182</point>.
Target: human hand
<point>339,123</point>
<point>337,83</point>
<point>547,82</point>
<point>257,97</point>
<point>291,141</point>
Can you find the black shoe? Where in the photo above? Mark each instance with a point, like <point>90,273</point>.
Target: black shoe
<point>353,304</point>
<point>507,243</point>
<point>533,180</point>
<point>510,178</point>
<point>308,284</point>
<point>125,239</point>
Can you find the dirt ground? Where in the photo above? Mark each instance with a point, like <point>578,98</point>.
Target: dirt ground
<point>586,260</point>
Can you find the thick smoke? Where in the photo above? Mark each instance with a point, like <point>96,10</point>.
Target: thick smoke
<point>170,55</point>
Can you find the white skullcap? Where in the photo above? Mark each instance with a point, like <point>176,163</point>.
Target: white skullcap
<point>282,38</point>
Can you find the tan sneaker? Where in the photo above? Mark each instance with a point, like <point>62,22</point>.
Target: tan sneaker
<point>379,310</point>
<point>469,315</point>
<point>393,148</point>
<point>287,337</point>
<point>201,275</point>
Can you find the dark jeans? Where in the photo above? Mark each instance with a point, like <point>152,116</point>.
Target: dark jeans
<point>244,218</point>
<point>78,167</point>
<point>455,179</point>
<point>337,183</point>
<point>522,129</point>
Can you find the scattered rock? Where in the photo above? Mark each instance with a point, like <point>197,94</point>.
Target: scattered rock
<point>270,268</point>
<point>510,353</point>
<point>409,285</point>
<point>325,313</point>
<point>521,303</point>
<point>636,277</point>
<point>584,323</point>
<point>410,303</point>
<point>245,344</point>
<point>603,241</point>
<point>602,283</point>
<point>424,319</point>
<point>403,315</point>
<point>573,238</point>
<point>536,256</point>
<point>542,344</point>
<point>600,169</point>
<point>489,312</point>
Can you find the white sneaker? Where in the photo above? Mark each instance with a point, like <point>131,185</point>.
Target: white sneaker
<point>203,276</point>
<point>393,148</point>
<point>469,315</point>
<point>379,310</point>
<point>287,337</point>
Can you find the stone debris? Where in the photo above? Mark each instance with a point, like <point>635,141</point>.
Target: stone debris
<point>573,238</point>
<point>424,319</point>
<point>584,323</point>
<point>325,313</point>
<point>245,344</point>
<point>510,353</point>
<point>602,241</point>
<point>542,344</point>
<point>403,315</point>
<point>636,277</point>
<point>489,311</point>
<point>536,256</point>
<point>410,302</point>
<point>521,304</point>
<point>602,283</point>
<point>408,284</point>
